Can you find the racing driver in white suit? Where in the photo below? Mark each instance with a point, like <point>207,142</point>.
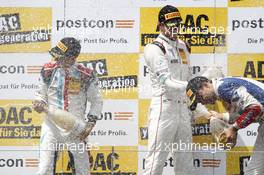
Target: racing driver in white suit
<point>169,117</point>
<point>66,85</point>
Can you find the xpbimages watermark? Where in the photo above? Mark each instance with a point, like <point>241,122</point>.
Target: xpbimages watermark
<point>195,147</point>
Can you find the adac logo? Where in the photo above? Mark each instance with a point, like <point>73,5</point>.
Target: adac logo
<point>20,69</point>
<point>95,24</point>
<point>253,71</point>
<point>99,66</point>
<point>16,163</point>
<point>9,22</point>
<point>195,31</point>
<point>122,115</point>
<point>10,31</point>
<point>18,123</point>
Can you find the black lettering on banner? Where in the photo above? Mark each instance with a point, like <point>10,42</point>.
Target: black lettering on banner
<point>25,37</point>
<point>99,162</point>
<point>9,22</point>
<point>243,163</point>
<point>110,161</point>
<point>194,39</point>
<point>201,129</point>
<point>105,116</point>
<point>12,69</point>
<point>12,117</point>
<point>143,133</point>
<point>260,69</point>
<point>99,66</point>
<point>20,132</point>
<point>145,71</point>
<point>244,24</point>
<point>84,23</point>
<point>148,38</point>
<point>250,70</point>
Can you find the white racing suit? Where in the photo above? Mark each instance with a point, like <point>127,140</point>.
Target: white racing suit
<point>169,116</point>
<point>68,90</point>
<point>244,99</point>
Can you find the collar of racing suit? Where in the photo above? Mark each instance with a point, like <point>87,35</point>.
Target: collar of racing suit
<point>167,40</point>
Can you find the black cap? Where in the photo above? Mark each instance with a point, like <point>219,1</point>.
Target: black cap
<point>192,88</point>
<point>66,48</point>
<point>169,14</point>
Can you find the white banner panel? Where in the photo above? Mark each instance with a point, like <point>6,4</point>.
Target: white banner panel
<point>107,30</point>
<point>246,34</point>
<point>117,125</point>
<point>19,160</point>
<point>20,73</point>
<point>248,135</point>
<point>208,163</point>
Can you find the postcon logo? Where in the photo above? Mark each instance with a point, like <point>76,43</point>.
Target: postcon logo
<point>18,163</point>
<point>10,31</point>
<point>95,24</point>
<point>121,115</point>
<point>20,69</point>
<point>247,24</point>
<point>197,163</point>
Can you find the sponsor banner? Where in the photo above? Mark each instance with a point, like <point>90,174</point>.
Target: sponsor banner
<point>144,84</point>
<point>248,136</point>
<point>204,162</point>
<point>101,30</point>
<point>25,29</point>
<point>19,79</point>
<point>106,160</point>
<point>245,3</point>
<point>203,28</point>
<point>211,162</point>
<point>246,65</point>
<point>19,160</point>
<point>118,74</point>
<point>242,22</point>
<point>143,122</point>
<point>117,126</point>
<point>142,153</point>
<point>200,62</point>
<point>237,160</point>
<point>19,123</point>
